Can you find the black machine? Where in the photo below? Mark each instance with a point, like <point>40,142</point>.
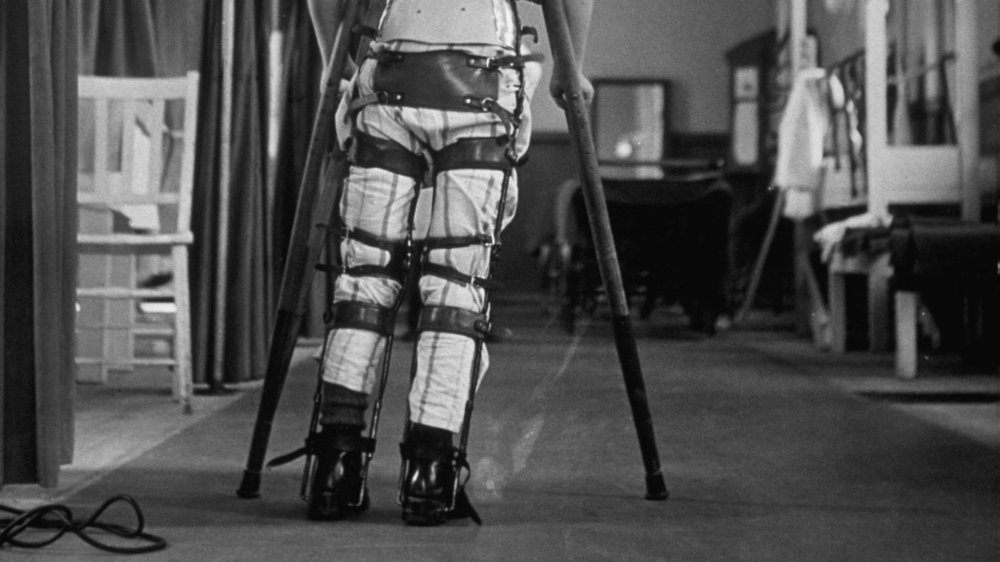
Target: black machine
<point>670,217</point>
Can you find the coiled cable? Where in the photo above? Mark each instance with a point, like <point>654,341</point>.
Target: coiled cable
<point>58,518</point>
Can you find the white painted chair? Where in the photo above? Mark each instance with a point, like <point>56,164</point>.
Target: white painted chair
<point>135,177</point>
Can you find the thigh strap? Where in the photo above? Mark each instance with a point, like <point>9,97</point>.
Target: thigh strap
<point>399,255</point>
<point>367,151</point>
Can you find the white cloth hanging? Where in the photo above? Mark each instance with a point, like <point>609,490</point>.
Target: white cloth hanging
<point>799,164</point>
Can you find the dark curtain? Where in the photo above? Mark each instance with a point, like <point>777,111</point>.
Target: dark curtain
<point>299,94</point>
<point>140,37</point>
<point>117,38</point>
<point>231,315</point>
<point>38,68</point>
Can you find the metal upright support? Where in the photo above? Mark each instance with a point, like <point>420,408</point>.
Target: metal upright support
<point>578,119</point>
<point>313,212</point>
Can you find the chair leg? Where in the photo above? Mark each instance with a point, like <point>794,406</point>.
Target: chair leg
<point>182,342</point>
<point>907,308</point>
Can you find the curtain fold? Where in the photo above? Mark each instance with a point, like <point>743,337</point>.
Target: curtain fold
<point>300,93</point>
<point>231,316</point>
<point>124,38</point>
<point>38,68</point>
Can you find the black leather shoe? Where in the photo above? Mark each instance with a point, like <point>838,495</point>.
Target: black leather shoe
<point>336,489</point>
<point>428,492</point>
<point>428,484</point>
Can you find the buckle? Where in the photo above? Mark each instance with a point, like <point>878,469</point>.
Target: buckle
<point>484,104</point>
<point>389,98</point>
<point>484,63</point>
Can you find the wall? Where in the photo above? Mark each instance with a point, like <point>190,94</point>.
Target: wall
<point>682,40</point>
<point>840,31</point>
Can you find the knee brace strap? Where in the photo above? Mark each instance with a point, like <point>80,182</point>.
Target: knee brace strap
<point>367,151</point>
<point>488,153</point>
<point>364,316</point>
<point>454,320</point>
<point>448,242</point>
<point>456,276</point>
<point>399,255</point>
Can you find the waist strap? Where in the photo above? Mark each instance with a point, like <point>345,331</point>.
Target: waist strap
<point>445,80</point>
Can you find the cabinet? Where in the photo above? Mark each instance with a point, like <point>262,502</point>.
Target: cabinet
<point>752,86</point>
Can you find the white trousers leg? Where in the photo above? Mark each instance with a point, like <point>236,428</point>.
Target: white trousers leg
<point>465,202</point>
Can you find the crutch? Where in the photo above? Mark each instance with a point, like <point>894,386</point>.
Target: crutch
<point>313,213</point>
<point>578,119</point>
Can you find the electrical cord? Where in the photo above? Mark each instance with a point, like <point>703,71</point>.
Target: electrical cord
<point>59,519</point>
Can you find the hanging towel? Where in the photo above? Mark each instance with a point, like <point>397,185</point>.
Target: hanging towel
<point>800,144</point>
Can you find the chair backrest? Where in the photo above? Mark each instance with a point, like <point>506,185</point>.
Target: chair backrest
<point>137,153</point>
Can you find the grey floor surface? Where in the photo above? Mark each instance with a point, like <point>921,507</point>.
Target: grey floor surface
<point>768,449</point>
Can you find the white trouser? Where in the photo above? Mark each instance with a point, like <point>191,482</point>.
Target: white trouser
<point>465,203</point>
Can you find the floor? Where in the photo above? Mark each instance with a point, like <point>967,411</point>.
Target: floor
<point>769,449</point>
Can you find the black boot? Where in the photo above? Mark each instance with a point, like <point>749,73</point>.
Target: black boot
<point>428,488</point>
<point>337,490</point>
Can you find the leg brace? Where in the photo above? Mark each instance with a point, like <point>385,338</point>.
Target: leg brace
<point>357,315</point>
<point>451,82</point>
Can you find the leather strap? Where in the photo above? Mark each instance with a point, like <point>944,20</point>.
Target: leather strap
<point>410,451</point>
<point>370,239</point>
<point>399,256</point>
<point>363,316</point>
<point>340,442</point>
<point>396,270</point>
<point>453,320</point>
<point>448,242</point>
<point>507,61</point>
<point>488,153</point>
<point>367,151</point>
<point>434,79</point>
<point>454,275</point>
<point>321,443</point>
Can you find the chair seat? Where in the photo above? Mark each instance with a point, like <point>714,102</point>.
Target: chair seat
<point>185,238</point>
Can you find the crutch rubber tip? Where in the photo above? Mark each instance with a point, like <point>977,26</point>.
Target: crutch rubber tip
<point>656,488</point>
<point>250,487</point>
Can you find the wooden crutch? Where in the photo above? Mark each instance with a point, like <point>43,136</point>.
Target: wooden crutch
<point>313,213</point>
<point>578,120</point>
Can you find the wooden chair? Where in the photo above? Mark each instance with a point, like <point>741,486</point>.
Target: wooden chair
<point>135,176</point>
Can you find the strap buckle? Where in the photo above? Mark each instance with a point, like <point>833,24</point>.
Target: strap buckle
<point>482,104</point>
<point>484,63</point>
<point>389,98</point>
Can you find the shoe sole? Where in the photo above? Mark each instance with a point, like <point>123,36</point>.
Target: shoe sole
<point>333,511</point>
<point>424,513</point>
